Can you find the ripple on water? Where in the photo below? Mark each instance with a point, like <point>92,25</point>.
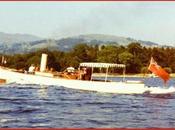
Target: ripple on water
<point>54,106</point>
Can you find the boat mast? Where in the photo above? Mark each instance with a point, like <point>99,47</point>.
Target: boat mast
<point>106,76</point>
<point>124,76</point>
<point>2,61</point>
<point>92,72</point>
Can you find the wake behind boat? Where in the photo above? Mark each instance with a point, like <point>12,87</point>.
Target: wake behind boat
<point>82,79</point>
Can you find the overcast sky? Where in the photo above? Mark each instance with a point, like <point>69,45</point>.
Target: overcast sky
<point>152,21</point>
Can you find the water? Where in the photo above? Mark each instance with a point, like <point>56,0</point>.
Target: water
<point>59,107</point>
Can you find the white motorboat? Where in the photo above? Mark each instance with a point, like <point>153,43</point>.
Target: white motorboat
<point>105,86</point>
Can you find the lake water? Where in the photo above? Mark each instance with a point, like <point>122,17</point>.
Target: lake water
<point>59,107</point>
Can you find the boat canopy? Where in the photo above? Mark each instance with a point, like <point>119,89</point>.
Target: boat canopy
<point>101,65</point>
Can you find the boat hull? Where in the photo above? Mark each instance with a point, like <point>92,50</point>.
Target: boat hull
<point>98,86</point>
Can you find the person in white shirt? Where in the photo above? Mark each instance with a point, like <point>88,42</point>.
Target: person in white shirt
<point>31,69</point>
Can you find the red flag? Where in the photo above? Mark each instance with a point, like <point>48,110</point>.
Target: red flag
<point>158,70</point>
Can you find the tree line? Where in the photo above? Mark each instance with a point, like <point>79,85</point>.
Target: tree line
<point>134,56</point>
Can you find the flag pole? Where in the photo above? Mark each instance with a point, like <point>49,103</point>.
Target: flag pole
<point>158,70</point>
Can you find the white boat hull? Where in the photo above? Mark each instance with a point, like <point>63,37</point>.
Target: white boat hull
<point>105,87</point>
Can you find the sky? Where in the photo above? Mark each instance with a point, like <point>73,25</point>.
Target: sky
<point>150,21</point>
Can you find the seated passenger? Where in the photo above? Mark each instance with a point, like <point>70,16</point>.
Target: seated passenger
<point>31,69</point>
<point>88,74</point>
<point>84,73</point>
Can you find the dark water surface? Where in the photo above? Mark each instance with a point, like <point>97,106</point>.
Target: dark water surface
<point>59,107</point>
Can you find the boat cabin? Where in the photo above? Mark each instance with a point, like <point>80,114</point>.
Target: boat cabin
<point>87,69</point>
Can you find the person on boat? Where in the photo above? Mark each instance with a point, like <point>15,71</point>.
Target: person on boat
<point>37,68</point>
<point>31,69</point>
<point>70,73</point>
<point>82,72</point>
<point>51,70</point>
<point>85,73</point>
<point>88,74</point>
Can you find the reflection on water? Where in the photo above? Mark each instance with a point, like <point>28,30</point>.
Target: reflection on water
<point>42,91</point>
<point>55,106</point>
<point>160,110</point>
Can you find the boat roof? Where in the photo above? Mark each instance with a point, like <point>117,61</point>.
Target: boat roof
<point>101,65</point>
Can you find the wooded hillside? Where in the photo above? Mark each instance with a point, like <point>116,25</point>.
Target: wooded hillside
<point>135,56</point>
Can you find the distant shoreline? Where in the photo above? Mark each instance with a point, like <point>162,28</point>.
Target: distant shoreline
<point>127,75</point>
<point>119,75</point>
